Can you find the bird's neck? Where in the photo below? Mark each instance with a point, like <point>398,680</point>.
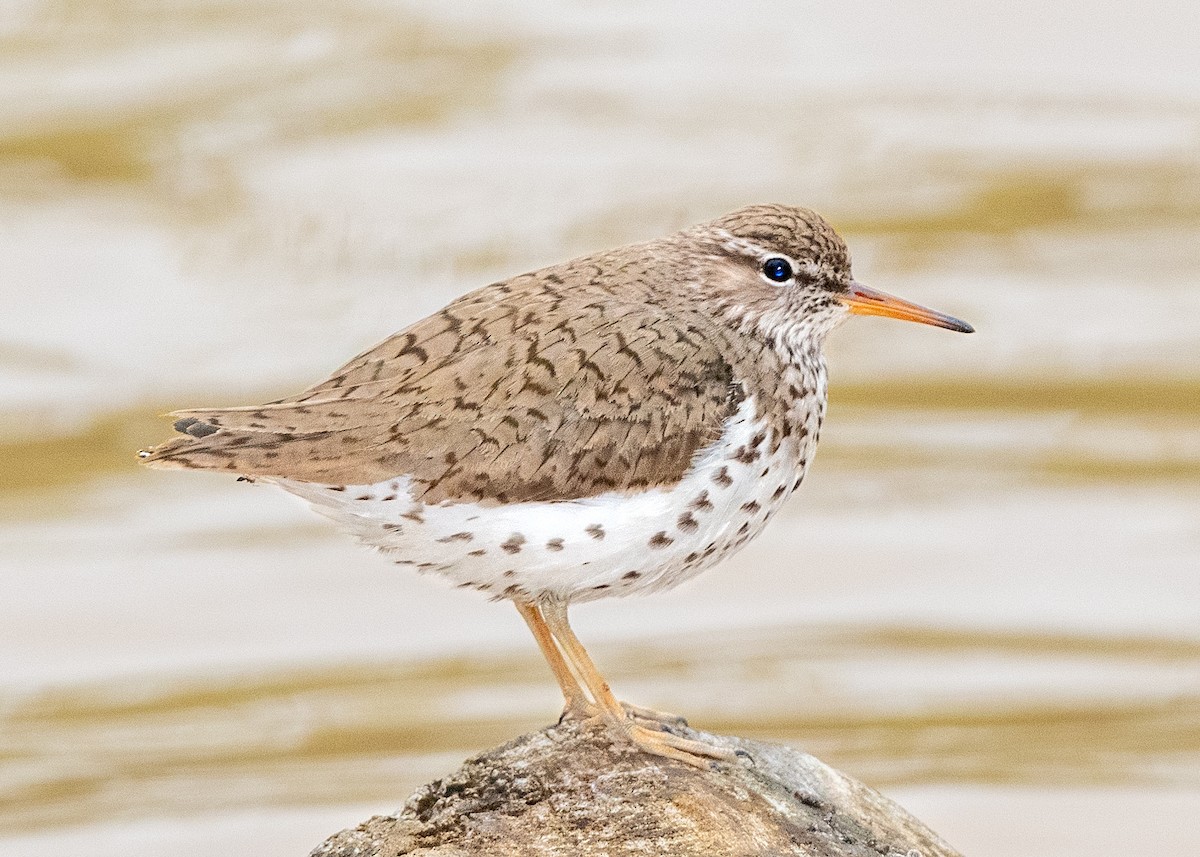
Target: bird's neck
<point>787,378</point>
<point>806,391</point>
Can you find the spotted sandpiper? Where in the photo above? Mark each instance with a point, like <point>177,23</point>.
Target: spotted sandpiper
<point>609,426</point>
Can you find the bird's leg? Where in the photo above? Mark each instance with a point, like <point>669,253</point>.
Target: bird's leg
<point>546,640</point>
<point>695,753</point>
<point>576,701</point>
<point>555,613</point>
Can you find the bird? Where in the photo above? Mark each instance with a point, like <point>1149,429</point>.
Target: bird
<point>608,426</point>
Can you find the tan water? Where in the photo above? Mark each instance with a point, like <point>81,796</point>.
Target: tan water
<point>986,599</point>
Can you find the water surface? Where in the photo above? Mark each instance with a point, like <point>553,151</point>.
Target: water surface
<point>985,600</point>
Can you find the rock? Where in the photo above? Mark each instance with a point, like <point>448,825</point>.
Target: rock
<point>567,790</point>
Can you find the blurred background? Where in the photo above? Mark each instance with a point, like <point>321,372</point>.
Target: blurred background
<point>986,599</point>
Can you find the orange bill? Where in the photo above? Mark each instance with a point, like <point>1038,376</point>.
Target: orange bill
<point>864,300</point>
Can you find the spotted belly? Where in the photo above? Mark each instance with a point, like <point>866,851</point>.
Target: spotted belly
<point>608,545</point>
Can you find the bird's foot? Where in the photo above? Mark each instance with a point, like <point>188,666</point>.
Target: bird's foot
<point>583,711</point>
<point>686,750</point>
<point>652,734</point>
<point>665,718</point>
<point>589,712</point>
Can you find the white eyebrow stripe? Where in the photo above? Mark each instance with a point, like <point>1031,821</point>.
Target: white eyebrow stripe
<point>740,245</point>
<point>748,248</point>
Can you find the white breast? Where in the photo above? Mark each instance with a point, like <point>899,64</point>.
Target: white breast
<point>611,544</point>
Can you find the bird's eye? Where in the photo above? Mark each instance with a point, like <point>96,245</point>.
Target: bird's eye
<point>777,270</point>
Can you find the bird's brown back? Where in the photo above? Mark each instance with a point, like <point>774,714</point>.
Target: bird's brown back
<point>549,386</point>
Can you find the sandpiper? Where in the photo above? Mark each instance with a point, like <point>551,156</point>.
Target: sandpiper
<point>609,426</point>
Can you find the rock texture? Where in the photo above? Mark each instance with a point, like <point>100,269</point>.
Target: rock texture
<point>567,790</point>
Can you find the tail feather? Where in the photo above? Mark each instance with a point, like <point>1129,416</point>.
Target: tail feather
<point>203,446</point>
<point>246,441</point>
<point>325,440</point>
<point>182,453</point>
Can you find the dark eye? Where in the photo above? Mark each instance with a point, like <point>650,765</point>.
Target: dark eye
<point>777,270</point>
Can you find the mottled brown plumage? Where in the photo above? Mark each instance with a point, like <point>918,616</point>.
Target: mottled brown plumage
<point>605,373</point>
<point>609,426</point>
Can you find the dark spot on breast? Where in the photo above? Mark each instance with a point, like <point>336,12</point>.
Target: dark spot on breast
<point>595,531</point>
<point>743,529</point>
<point>601,587</point>
<point>554,545</point>
<point>687,522</point>
<point>702,503</point>
<point>477,552</point>
<point>513,543</point>
<point>751,507</point>
<point>414,515</point>
<point>779,492</point>
<point>457,537</point>
<point>363,497</point>
<point>723,478</point>
<point>660,540</point>
<point>745,454</point>
<point>631,575</point>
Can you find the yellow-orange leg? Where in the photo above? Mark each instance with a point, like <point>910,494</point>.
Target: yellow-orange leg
<point>576,701</point>
<point>695,753</point>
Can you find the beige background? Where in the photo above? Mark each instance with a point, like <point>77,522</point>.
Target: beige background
<point>986,599</point>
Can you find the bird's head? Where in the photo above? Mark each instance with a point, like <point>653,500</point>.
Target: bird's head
<point>786,271</point>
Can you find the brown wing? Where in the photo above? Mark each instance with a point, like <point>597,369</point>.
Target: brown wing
<point>515,392</point>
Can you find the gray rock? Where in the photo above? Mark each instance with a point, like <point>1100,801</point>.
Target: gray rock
<point>567,790</point>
